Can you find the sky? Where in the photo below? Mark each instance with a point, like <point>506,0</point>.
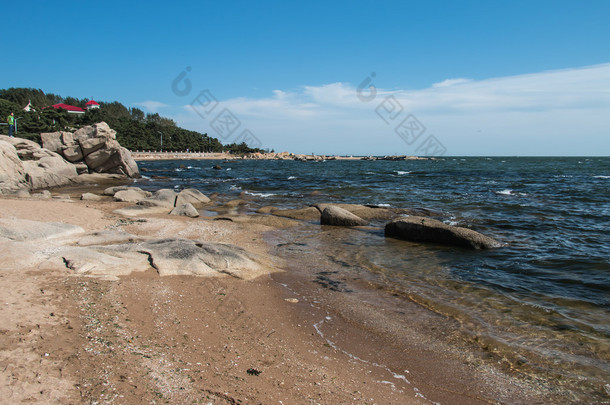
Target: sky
<point>493,78</point>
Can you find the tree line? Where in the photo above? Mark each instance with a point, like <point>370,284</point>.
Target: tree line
<point>136,130</point>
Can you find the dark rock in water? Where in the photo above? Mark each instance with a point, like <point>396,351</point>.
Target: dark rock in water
<point>337,216</point>
<point>217,167</point>
<point>422,229</point>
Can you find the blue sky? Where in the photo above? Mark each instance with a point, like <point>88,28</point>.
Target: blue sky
<point>479,77</point>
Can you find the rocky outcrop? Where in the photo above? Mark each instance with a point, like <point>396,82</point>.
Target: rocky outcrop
<point>94,146</point>
<point>337,216</point>
<point>12,172</point>
<point>422,229</point>
<point>24,164</point>
<point>42,168</point>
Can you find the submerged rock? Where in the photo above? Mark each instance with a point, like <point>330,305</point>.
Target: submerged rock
<point>422,229</point>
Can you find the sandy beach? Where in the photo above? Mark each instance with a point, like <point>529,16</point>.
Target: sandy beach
<point>70,339</point>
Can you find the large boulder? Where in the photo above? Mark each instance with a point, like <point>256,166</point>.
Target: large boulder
<point>423,229</point>
<point>42,167</point>
<point>95,145</point>
<point>49,171</point>
<point>337,216</point>
<point>12,172</point>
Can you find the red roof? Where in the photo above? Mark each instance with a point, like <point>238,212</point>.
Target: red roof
<point>67,107</point>
<point>92,102</point>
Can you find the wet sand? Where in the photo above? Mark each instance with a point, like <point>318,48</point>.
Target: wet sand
<point>281,338</point>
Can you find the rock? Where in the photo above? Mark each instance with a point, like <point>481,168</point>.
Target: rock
<point>90,197</point>
<point>12,172</point>
<point>131,194</point>
<point>23,194</point>
<point>182,256</point>
<point>55,141</point>
<point>372,212</point>
<point>101,151</point>
<point>185,210</point>
<point>192,196</point>
<point>161,198</point>
<point>107,237</point>
<point>217,167</point>
<point>73,153</point>
<point>22,229</point>
<point>138,210</point>
<point>81,168</point>
<point>339,217</point>
<point>422,229</point>
<point>267,209</point>
<point>49,171</point>
<point>111,191</point>
<point>103,261</point>
<point>304,214</point>
<point>97,178</point>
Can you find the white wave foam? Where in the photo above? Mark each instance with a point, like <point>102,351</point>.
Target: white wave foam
<point>292,178</point>
<point>509,192</point>
<point>602,177</point>
<point>234,187</point>
<point>400,173</point>
<point>264,195</point>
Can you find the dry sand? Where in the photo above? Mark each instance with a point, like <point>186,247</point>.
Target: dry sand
<point>183,339</point>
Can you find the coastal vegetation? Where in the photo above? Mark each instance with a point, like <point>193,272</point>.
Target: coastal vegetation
<point>136,130</point>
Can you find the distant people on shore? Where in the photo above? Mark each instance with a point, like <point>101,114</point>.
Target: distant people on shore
<point>11,124</point>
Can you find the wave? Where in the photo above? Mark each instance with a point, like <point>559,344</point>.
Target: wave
<point>400,173</point>
<point>602,177</point>
<point>292,178</point>
<point>264,195</point>
<point>509,192</point>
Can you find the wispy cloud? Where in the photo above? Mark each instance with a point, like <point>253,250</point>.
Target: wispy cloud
<point>152,106</point>
<point>513,115</point>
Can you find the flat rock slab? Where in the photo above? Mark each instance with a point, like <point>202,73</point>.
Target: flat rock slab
<point>109,254</point>
<point>424,229</point>
<point>23,229</point>
<point>138,210</point>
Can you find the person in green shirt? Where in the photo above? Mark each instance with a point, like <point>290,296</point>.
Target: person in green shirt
<point>11,124</point>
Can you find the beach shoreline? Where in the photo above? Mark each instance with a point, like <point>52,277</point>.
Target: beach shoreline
<point>183,338</point>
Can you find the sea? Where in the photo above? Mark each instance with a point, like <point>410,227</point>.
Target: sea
<point>541,301</point>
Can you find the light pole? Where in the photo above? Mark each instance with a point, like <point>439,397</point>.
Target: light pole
<point>16,124</point>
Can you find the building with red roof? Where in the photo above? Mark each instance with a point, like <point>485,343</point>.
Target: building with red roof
<point>91,104</point>
<point>69,108</point>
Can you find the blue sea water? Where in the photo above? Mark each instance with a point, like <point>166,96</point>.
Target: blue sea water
<point>543,298</point>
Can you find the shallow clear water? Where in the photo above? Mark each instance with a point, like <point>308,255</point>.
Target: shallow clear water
<point>542,301</point>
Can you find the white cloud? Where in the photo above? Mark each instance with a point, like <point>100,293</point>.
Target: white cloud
<point>554,112</point>
<point>152,106</point>
<point>450,82</point>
